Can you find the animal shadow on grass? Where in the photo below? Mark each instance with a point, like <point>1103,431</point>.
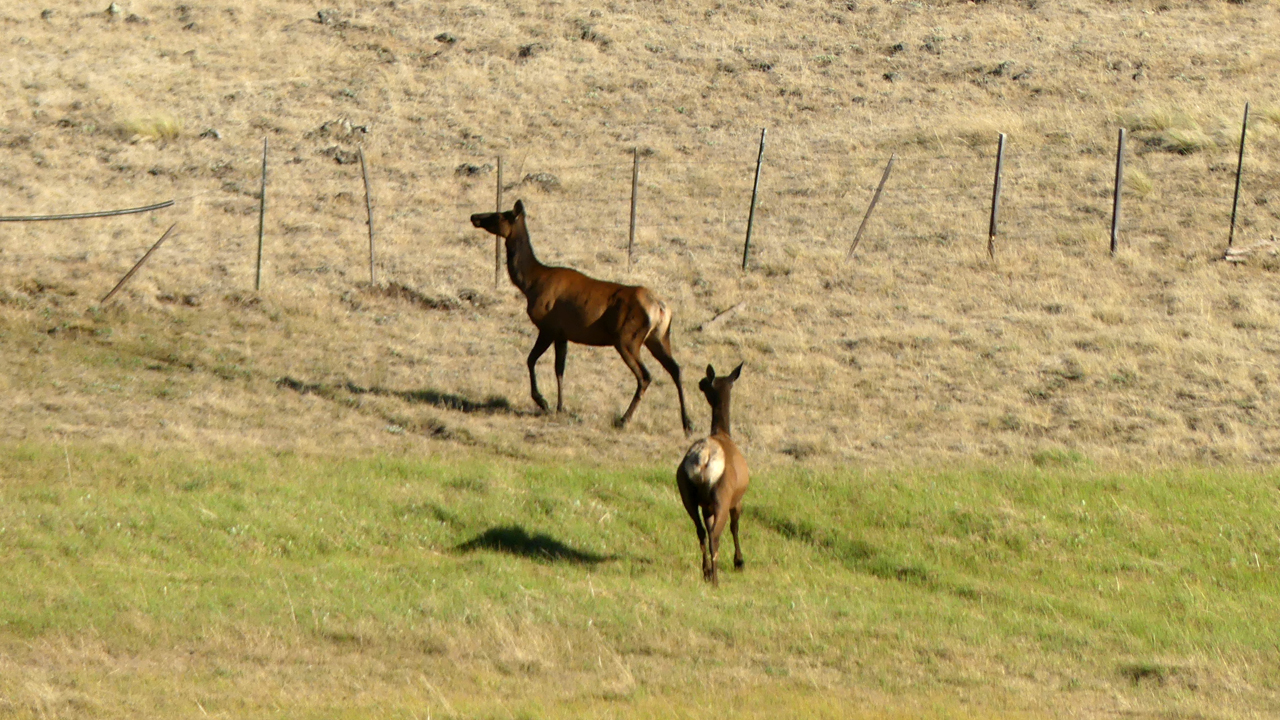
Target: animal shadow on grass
<point>448,401</point>
<point>515,540</point>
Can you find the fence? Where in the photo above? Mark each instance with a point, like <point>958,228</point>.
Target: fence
<point>797,198</point>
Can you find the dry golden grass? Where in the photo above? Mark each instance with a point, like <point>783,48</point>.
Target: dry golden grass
<point>918,351</point>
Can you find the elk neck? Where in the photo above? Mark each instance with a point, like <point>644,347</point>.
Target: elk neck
<point>720,415</point>
<point>522,265</point>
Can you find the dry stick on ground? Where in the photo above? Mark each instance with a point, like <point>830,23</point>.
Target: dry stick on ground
<point>1115,198</point>
<point>755,188</point>
<point>1235,200</point>
<point>995,201</point>
<point>1239,255</point>
<point>635,190</point>
<point>874,199</point>
<point>262,217</point>
<point>136,265</point>
<point>368,207</point>
<point>81,216</point>
<point>720,318</point>
<point>497,242</point>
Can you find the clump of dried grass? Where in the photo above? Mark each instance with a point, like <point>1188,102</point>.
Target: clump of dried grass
<point>151,127</point>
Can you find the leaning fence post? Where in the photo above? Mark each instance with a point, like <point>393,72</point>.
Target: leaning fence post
<point>755,189</point>
<point>635,190</point>
<point>1235,200</point>
<point>136,265</point>
<point>497,242</point>
<point>262,217</point>
<point>874,199</point>
<point>368,208</point>
<point>995,200</point>
<point>1115,199</point>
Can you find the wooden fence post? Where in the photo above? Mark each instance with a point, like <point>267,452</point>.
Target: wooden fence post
<point>995,200</point>
<point>874,199</point>
<point>368,207</point>
<point>262,217</point>
<point>1235,200</point>
<point>136,265</point>
<point>497,241</point>
<point>755,189</point>
<point>1115,199</point>
<point>635,191</point>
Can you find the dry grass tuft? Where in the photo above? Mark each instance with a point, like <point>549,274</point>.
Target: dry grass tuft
<point>1138,182</point>
<point>153,127</point>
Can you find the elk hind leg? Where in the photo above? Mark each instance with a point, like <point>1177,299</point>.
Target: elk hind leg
<point>709,560</point>
<point>661,349</point>
<point>691,507</point>
<point>734,514</point>
<point>562,351</point>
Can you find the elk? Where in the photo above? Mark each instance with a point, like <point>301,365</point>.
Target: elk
<point>712,477</point>
<point>567,306</point>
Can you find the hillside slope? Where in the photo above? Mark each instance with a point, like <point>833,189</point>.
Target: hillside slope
<point>918,350</point>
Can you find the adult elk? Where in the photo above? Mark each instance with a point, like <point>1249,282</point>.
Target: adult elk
<point>713,477</point>
<point>567,306</point>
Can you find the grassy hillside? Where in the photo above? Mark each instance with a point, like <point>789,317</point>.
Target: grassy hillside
<point>918,350</point>
<point>261,585</point>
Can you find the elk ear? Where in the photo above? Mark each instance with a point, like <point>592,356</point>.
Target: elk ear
<point>519,209</point>
<point>711,372</point>
<point>733,376</point>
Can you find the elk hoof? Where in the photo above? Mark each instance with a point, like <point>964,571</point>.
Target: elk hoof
<point>739,563</point>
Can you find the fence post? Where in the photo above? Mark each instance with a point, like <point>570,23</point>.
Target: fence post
<point>368,208</point>
<point>635,190</point>
<point>1115,200</point>
<point>262,216</point>
<point>1235,200</point>
<point>874,199</point>
<point>995,200</point>
<point>497,241</point>
<point>136,265</point>
<point>755,188</point>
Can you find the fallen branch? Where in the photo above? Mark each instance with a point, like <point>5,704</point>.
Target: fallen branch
<point>1242,254</point>
<point>137,265</point>
<point>720,318</point>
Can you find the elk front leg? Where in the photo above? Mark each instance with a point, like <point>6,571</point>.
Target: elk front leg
<point>539,347</point>
<point>562,351</point>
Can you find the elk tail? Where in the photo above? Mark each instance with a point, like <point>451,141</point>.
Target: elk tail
<point>704,463</point>
<point>659,321</point>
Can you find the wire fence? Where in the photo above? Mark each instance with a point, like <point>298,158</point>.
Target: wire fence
<point>808,196</point>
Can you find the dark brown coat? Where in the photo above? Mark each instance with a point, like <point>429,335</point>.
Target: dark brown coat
<point>567,306</point>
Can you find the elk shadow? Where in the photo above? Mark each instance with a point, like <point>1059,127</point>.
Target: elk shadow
<point>515,540</point>
<point>494,404</point>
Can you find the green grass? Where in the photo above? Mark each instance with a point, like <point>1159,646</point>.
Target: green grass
<point>156,583</point>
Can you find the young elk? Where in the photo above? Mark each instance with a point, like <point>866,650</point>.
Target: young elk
<point>567,306</point>
<point>713,477</point>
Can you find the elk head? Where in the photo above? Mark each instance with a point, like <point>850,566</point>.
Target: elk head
<point>714,387</point>
<point>501,224</point>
